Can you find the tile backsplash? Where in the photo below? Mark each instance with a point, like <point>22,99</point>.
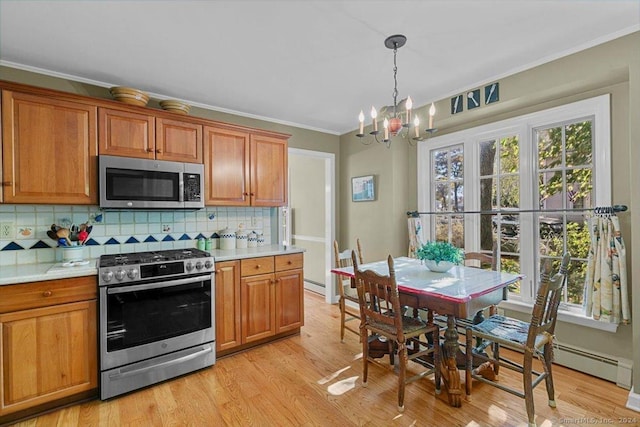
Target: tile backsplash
<point>24,240</point>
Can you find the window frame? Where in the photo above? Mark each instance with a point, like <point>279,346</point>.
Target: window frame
<point>525,127</point>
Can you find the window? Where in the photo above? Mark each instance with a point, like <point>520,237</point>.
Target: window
<point>522,182</point>
<point>448,193</point>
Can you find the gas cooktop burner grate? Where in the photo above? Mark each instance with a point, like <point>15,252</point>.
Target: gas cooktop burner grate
<point>151,257</point>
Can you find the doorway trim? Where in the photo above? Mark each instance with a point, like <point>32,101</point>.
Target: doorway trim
<point>329,216</point>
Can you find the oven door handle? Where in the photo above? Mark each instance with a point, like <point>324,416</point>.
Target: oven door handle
<point>155,285</point>
<point>138,371</point>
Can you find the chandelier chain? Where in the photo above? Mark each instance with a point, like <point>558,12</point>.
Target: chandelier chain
<point>395,81</point>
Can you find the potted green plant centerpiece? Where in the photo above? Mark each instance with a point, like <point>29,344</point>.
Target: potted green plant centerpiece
<point>440,256</point>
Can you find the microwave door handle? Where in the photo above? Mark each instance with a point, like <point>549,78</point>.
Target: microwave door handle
<point>181,188</point>
<point>155,285</point>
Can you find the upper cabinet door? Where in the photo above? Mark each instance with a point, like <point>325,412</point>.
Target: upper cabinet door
<point>268,171</point>
<point>49,150</point>
<point>125,133</point>
<point>226,166</point>
<point>179,141</point>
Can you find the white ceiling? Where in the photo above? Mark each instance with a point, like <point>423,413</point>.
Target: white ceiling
<point>313,64</point>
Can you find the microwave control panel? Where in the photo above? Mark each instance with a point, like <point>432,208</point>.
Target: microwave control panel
<point>192,188</point>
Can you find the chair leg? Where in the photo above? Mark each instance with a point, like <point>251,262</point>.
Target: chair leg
<point>528,389</point>
<point>437,360</point>
<point>469,363</point>
<point>548,352</point>
<point>402,355</point>
<point>365,356</point>
<point>341,304</point>
<point>496,358</point>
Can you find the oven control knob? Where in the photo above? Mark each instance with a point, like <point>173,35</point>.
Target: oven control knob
<point>199,265</point>
<point>208,264</point>
<point>132,273</point>
<point>120,273</point>
<point>189,266</point>
<point>107,276</point>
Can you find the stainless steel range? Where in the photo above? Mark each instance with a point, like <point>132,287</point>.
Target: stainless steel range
<point>156,317</point>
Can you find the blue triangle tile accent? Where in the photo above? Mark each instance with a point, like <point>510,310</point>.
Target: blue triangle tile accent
<point>12,246</point>
<point>200,236</point>
<point>112,241</point>
<point>39,245</point>
<point>132,240</point>
<point>150,239</point>
<point>168,238</point>
<point>185,237</point>
<point>91,242</point>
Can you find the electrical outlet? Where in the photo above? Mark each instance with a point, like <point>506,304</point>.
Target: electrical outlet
<point>7,230</point>
<point>254,221</point>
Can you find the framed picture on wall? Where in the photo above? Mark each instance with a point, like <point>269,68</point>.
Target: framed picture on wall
<point>363,188</point>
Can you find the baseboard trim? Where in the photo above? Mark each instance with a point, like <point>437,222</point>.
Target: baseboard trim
<point>633,402</point>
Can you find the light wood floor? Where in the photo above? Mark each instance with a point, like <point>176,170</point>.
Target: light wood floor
<point>314,380</point>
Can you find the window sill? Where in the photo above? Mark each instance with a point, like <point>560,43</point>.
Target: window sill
<point>563,316</point>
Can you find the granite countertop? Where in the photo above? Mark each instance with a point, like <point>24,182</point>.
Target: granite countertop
<point>24,273</point>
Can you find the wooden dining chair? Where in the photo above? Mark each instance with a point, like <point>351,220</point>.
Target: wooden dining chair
<point>346,291</point>
<point>381,315</point>
<point>529,339</point>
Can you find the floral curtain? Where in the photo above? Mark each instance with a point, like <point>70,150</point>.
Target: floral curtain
<point>415,230</point>
<point>606,294</point>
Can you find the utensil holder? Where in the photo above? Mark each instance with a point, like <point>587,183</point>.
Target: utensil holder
<point>72,253</point>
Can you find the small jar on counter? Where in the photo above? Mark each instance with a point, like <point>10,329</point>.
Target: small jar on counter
<point>201,244</point>
<point>227,239</point>
<point>252,240</point>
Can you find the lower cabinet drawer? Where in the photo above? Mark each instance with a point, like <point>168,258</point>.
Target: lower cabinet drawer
<point>49,292</point>
<point>253,266</point>
<point>289,262</point>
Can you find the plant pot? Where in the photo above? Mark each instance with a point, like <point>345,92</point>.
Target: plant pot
<point>440,267</point>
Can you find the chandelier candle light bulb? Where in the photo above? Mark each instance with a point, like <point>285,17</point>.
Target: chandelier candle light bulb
<point>416,123</point>
<point>385,124</point>
<point>374,114</point>
<point>408,106</point>
<point>432,112</point>
<point>361,119</point>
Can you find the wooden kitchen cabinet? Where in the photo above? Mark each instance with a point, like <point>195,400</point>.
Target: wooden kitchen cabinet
<point>258,299</point>
<point>228,317</point>
<point>132,134</point>
<point>49,150</point>
<point>243,168</point>
<point>178,140</point>
<point>48,343</point>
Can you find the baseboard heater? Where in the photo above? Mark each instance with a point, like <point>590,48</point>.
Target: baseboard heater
<point>599,365</point>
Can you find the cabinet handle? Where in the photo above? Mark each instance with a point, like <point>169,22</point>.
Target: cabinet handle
<point>245,194</point>
<point>218,271</point>
<point>257,266</point>
<point>159,151</point>
<point>6,183</point>
<point>149,150</point>
<point>252,194</point>
<point>47,293</point>
<point>289,262</point>
<point>277,280</point>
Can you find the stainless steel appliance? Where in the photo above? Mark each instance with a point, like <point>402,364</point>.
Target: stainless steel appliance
<point>156,317</point>
<point>130,183</point>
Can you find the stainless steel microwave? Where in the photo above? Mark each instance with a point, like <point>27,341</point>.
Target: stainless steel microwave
<point>130,183</point>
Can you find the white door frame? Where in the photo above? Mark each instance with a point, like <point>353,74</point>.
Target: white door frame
<point>329,225</point>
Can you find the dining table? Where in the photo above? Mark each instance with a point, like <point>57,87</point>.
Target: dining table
<point>459,293</point>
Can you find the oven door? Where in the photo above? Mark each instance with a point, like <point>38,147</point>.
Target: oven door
<point>149,319</point>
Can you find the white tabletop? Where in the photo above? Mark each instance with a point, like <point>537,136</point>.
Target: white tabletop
<point>460,284</point>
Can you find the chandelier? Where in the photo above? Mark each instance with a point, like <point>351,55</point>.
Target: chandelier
<point>397,118</point>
